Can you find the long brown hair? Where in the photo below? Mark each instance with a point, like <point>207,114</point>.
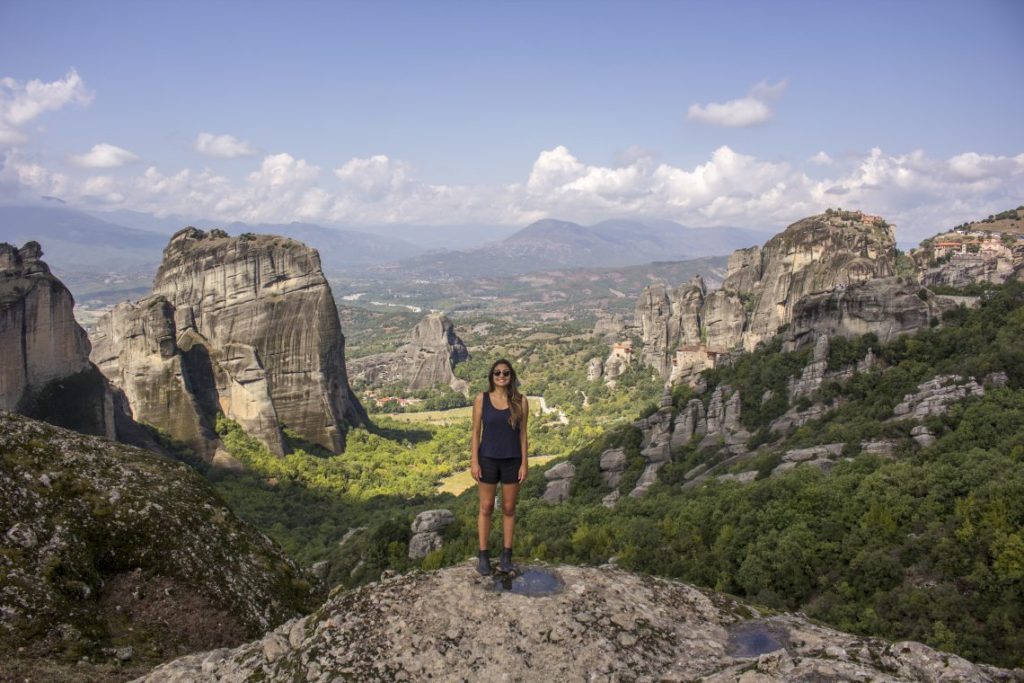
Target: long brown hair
<point>515,399</point>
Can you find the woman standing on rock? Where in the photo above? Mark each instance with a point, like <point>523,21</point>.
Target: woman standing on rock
<point>499,454</point>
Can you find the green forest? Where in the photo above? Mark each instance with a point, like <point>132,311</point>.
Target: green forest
<point>927,544</point>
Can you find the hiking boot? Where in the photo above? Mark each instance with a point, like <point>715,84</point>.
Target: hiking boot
<point>506,561</point>
<point>483,562</point>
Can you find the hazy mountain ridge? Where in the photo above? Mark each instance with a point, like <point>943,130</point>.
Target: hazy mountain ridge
<point>551,244</point>
<point>80,242</point>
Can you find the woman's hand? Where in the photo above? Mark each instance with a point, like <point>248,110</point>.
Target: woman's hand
<point>474,470</point>
<point>522,472</point>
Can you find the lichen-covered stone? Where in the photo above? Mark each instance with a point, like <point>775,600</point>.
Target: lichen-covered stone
<point>80,509</point>
<point>605,624</point>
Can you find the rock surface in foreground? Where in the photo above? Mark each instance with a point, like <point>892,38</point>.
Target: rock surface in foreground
<point>604,625</point>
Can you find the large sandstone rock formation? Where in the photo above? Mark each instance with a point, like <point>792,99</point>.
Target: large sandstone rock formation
<point>686,329</point>
<point>887,307</point>
<point>82,515</point>
<point>45,372</point>
<point>246,326</point>
<point>425,361</point>
<point>599,624</point>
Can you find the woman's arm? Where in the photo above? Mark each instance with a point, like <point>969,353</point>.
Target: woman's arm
<point>524,440</point>
<point>474,460</point>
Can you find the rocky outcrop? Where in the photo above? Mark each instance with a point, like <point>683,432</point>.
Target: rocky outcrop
<point>813,374</point>
<point>822,253</point>
<point>618,361</point>
<point>935,396</point>
<point>609,328</point>
<point>655,445</point>
<point>559,480</point>
<point>794,417</point>
<point>612,464</point>
<point>966,269</point>
<point>245,326</point>
<point>886,307</point>
<point>691,421</point>
<point>423,362</point>
<point>923,436</point>
<point>82,513</point>
<point>819,256</point>
<point>823,457</point>
<point>46,371</point>
<point>744,270</point>
<point>426,532</point>
<point>595,370</point>
<point>599,624</point>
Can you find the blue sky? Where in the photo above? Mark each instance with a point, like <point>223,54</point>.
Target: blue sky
<point>742,113</point>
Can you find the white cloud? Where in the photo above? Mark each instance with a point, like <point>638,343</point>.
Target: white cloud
<point>374,178</point>
<point>104,156</point>
<point>918,193</point>
<point>745,111</point>
<point>20,103</point>
<point>283,170</point>
<point>223,146</point>
<point>822,159</point>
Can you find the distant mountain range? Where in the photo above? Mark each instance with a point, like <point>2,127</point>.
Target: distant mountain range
<point>552,244</point>
<point>77,242</point>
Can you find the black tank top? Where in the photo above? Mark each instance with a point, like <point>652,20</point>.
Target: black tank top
<point>499,440</point>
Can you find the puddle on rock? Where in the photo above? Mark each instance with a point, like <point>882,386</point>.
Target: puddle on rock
<point>531,581</point>
<point>754,638</point>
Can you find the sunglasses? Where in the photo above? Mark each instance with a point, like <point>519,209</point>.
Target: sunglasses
<point>502,373</point>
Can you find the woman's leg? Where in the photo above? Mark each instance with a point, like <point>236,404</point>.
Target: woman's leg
<point>509,492</point>
<point>483,520</point>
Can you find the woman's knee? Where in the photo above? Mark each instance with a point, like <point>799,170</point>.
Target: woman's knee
<point>487,509</point>
<point>508,509</point>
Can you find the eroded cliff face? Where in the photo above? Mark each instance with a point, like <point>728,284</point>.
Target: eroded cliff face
<point>424,361</point>
<point>46,371</point>
<point>246,326</point>
<point>684,329</point>
<point>886,307</point>
<point>817,254</point>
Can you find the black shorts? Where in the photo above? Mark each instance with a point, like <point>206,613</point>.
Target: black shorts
<point>493,469</point>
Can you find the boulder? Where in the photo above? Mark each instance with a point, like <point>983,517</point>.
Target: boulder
<point>612,464</point>
<point>828,451</point>
<point>426,532</point>
<point>884,447</point>
<point>432,520</point>
<point>595,370</point>
<point>923,436</point>
<point>559,480</point>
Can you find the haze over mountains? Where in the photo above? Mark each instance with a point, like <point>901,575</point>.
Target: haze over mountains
<point>553,244</point>
<point>77,242</point>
